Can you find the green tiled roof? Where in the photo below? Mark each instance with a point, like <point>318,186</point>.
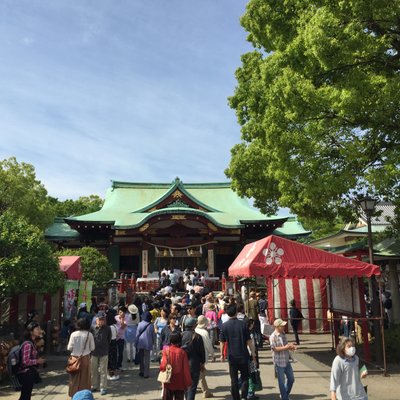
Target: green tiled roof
<point>349,248</point>
<point>292,228</point>
<point>126,204</point>
<point>388,248</point>
<point>59,230</point>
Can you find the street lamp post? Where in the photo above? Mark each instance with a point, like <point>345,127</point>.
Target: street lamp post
<point>368,204</point>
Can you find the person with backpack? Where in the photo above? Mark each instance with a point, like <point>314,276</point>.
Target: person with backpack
<point>29,361</point>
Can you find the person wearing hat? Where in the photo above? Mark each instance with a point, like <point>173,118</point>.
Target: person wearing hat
<point>192,343</point>
<point>83,395</point>
<point>280,354</point>
<point>201,329</point>
<point>132,321</point>
<point>30,360</point>
<point>99,360</point>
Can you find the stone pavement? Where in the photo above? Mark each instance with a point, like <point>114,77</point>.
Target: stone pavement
<point>312,379</point>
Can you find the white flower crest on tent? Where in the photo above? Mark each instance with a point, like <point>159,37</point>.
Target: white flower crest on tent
<point>273,254</point>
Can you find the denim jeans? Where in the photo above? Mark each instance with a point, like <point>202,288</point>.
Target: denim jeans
<point>190,393</point>
<point>285,388</point>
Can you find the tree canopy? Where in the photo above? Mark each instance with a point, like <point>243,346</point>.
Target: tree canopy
<point>23,194</point>
<point>318,104</point>
<point>84,205</point>
<point>95,266</point>
<point>27,262</point>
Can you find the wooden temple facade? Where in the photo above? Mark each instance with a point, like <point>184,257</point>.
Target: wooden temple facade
<point>144,227</point>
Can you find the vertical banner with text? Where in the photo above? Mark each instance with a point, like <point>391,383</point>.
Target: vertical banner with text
<point>85,293</point>
<point>70,294</point>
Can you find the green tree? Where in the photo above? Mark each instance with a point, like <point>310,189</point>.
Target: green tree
<point>95,266</point>
<point>318,104</point>
<point>84,205</point>
<point>23,194</point>
<point>27,262</point>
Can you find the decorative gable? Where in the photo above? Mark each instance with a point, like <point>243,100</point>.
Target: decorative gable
<point>177,197</point>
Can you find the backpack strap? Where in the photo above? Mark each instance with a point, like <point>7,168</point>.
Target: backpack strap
<point>22,365</point>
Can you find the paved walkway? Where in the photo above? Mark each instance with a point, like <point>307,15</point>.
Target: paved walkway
<point>312,379</point>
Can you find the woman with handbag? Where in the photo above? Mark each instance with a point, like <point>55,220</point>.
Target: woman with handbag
<point>81,344</point>
<point>176,359</point>
<point>30,360</point>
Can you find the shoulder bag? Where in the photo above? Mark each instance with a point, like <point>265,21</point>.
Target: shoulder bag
<point>74,362</point>
<point>165,376</point>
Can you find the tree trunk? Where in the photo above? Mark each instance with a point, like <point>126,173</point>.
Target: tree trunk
<point>394,289</point>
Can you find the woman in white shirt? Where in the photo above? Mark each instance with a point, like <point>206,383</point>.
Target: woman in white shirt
<point>81,344</point>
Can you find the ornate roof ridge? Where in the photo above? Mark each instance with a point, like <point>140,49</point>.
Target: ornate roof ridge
<point>162,185</point>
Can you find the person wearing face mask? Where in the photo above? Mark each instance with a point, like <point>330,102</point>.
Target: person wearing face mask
<point>345,373</point>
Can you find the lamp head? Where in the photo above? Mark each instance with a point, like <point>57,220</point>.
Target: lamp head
<point>368,204</point>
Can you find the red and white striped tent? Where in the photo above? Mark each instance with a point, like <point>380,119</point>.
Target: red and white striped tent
<point>297,271</point>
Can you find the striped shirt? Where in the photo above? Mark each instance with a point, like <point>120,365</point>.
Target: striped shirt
<point>281,358</point>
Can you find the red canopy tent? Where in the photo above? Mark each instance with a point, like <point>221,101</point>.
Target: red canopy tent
<point>304,271</point>
<point>71,266</point>
<point>277,257</point>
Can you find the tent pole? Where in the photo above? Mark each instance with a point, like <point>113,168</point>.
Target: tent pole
<point>382,330</point>
<point>332,321</point>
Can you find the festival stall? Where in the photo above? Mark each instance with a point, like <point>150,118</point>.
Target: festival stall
<point>317,280</point>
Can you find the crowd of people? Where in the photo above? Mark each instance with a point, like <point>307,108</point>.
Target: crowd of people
<point>185,332</point>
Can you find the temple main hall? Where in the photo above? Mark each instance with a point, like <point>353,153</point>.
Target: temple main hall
<point>146,227</point>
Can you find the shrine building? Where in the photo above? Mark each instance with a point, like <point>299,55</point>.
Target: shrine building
<point>146,227</point>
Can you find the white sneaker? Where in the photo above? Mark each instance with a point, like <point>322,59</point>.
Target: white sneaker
<point>109,377</point>
<point>115,377</point>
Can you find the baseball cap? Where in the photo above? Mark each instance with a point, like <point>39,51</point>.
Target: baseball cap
<point>279,322</point>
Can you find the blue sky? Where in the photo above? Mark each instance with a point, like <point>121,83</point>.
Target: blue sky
<point>133,90</point>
